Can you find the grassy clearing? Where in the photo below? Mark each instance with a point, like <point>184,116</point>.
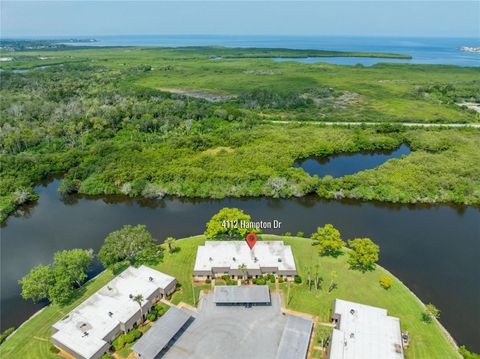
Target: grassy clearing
<point>427,340</point>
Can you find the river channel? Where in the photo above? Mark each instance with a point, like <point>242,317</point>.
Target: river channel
<point>433,250</point>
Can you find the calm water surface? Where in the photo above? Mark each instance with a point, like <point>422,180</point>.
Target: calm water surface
<point>423,50</point>
<point>433,250</point>
<point>346,164</point>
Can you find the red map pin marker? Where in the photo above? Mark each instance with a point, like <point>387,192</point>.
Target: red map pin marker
<point>251,239</point>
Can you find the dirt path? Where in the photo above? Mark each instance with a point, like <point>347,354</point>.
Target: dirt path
<point>407,124</point>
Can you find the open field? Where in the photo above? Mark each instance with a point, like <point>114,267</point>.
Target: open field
<point>427,340</point>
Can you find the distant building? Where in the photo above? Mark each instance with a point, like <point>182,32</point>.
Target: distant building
<point>236,259</point>
<point>88,330</point>
<point>364,332</point>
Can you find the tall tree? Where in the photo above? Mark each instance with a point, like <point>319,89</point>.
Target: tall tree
<point>226,225</point>
<point>73,264</point>
<point>36,283</point>
<point>139,299</point>
<point>328,240</point>
<point>364,254</point>
<point>132,243</point>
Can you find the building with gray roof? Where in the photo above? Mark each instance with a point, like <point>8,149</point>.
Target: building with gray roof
<point>161,333</point>
<point>252,294</point>
<point>295,338</point>
<point>364,332</point>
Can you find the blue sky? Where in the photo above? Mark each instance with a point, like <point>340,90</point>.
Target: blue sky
<point>362,18</point>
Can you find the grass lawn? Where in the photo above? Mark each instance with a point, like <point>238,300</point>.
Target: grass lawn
<point>32,339</point>
<point>427,340</point>
<point>180,266</point>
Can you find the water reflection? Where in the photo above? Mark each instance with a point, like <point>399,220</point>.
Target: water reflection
<point>348,163</point>
<point>415,241</point>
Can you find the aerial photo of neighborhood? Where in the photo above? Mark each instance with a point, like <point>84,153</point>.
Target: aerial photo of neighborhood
<point>240,179</point>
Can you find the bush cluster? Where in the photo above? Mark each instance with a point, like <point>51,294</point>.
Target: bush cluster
<point>127,338</point>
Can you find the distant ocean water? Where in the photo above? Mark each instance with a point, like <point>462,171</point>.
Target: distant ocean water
<point>423,50</point>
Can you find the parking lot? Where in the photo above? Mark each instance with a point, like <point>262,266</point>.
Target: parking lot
<point>231,332</point>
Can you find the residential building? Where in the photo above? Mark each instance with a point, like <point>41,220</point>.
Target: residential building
<point>88,330</point>
<point>236,259</point>
<point>364,332</point>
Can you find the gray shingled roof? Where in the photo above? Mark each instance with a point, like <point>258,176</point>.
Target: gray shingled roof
<point>160,334</point>
<point>244,294</point>
<point>295,338</point>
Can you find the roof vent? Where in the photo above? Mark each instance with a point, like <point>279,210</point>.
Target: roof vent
<point>255,259</point>
<point>210,259</point>
<point>352,311</point>
<point>85,334</point>
<point>109,288</point>
<point>130,296</point>
<point>110,314</point>
<point>352,335</point>
<point>279,259</point>
<point>150,279</point>
<point>234,259</point>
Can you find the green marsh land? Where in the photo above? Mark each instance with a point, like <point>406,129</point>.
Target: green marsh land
<point>157,121</point>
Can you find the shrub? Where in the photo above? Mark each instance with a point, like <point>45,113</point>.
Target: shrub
<point>254,280</point>
<point>107,356</point>
<point>280,279</point>
<point>300,234</point>
<point>272,279</point>
<point>208,281</point>
<point>133,335</point>
<point>120,342</point>
<point>261,281</point>
<point>53,349</point>
<point>467,354</point>
<point>426,318</point>
<point>152,316</point>
<point>160,309</point>
<point>386,282</point>
<point>6,333</point>
<point>225,277</point>
<point>287,234</point>
<point>297,279</point>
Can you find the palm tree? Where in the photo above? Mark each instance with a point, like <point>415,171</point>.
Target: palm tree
<point>139,299</point>
<point>243,269</point>
<point>171,243</point>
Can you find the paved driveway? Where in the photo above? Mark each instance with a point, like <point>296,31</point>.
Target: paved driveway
<point>231,332</point>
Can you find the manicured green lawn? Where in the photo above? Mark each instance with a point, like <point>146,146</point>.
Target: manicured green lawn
<point>32,339</point>
<point>427,340</point>
<point>180,266</point>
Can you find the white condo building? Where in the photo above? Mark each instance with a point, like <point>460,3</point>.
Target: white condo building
<point>364,332</point>
<point>229,257</point>
<point>88,330</point>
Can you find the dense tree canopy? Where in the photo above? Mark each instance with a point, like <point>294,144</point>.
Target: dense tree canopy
<point>364,254</point>
<point>328,241</point>
<point>36,283</point>
<point>57,281</point>
<point>227,225</point>
<point>133,243</point>
<point>108,129</point>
